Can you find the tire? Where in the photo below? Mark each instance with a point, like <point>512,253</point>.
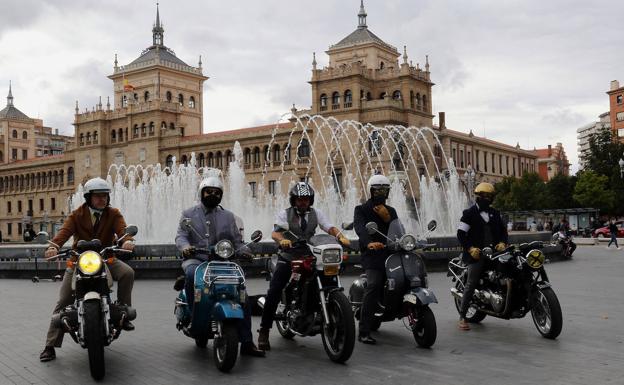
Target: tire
<point>283,326</point>
<point>546,313</point>
<point>339,335</point>
<point>425,331</point>
<point>226,347</point>
<point>201,342</point>
<point>472,315</point>
<point>94,338</point>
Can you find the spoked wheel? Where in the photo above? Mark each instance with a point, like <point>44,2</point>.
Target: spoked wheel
<point>546,313</point>
<point>339,334</point>
<point>472,315</point>
<point>425,330</point>
<point>94,338</point>
<point>283,325</point>
<point>226,347</point>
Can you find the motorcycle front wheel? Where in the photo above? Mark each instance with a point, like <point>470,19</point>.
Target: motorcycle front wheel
<point>472,315</point>
<point>546,313</point>
<point>226,347</point>
<point>339,334</point>
<point>94,338</point>
<point>425,330</point>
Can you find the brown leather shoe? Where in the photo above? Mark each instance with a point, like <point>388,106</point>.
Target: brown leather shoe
<point>249,349</point>
<point>48,354</point>
<point>263,339</point>
<point>463,325</point>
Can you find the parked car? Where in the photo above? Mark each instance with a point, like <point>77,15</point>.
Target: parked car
<point>604,232</point>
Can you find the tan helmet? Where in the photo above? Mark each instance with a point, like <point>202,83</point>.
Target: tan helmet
<point>484,188</point>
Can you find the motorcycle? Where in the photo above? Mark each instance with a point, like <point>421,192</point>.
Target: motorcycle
<point>406,294</point>
<point>94,321</point>
<point>514,282</point>
<point>313,301</point>
<point>219,297</point>
<point>565,240</point>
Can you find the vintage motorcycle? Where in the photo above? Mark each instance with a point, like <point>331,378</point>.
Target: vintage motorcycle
<point>406,294</point>
<point>94,321</point>
<point>219,297</point>
<point>514,283</point>
<point>313,301</point>
<point>565,240</point>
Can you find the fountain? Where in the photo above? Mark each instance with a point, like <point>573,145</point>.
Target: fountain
<point>153,197</point>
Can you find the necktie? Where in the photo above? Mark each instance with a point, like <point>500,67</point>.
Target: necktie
<point>97,221</point>
<point>304,223</point>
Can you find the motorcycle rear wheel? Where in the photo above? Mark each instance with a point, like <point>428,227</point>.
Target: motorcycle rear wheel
<point>472,315</point>
<point>339,334</point>
<point>425,331</point>
<point>546,313</point>
<point>283,325</point>
<point>94,338</point>
<point>226,347</point>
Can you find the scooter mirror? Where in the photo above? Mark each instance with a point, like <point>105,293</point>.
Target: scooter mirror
<point>256,236</point>
<point>347,226</point>
<point>371,228</point>
<point>432,225</point>
<point>42,238</point>
<point>131,230</point>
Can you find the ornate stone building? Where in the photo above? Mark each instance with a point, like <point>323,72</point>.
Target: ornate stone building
<point>157,114</point>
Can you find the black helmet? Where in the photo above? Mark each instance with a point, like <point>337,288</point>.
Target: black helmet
<point>301,189</point>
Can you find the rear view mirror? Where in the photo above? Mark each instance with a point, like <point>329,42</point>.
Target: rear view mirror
<point>131,230</point>
<point>432,225</point>
<point>371,228</point>
<point>256,236</point>
<point>347,226</point>
<point>42,238</point>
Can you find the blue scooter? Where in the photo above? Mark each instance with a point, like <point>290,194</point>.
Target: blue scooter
<point>219,295</point>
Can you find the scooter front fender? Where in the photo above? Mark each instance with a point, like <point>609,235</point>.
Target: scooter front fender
<point>420,294</point>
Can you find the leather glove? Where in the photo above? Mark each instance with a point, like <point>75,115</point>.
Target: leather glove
<point>500,246</point>
<point>51,252</point>
<point>475,253</point>
<point>375,246</point>
<point>285,244</point>
<point>382,212</point>
<point>343,240</point>
<point>188,252</point>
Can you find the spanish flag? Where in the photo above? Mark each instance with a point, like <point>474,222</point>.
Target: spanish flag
<point>127,86</point>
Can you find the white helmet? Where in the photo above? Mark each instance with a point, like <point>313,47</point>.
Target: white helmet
<point>94,186</point>
<point>211,181</point>
<point>378,180</point>
<point>381,185</point>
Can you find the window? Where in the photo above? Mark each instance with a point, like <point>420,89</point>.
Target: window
<point>163,125</point>
<point>256,156</point>
<point>24,135</point>
<point>500,164</point>
<point>247,156</point>
<point>88,161</point>
<point>461,158</point>
<point>210,159</point>
<point>454,152</point>
<point>276,153</point>
<point>70,175</point>
<point>335,100</point>
<point>192,102</point>
<point>14,134</point>
<point>304,148</point>
<point>181,100</point>
<point>219,159</point>
<point>9,207</point>
<point>337,177</point>
<point>146,96</point>
<point>24,154</point>
<point>348,99</point>
<point>201,160</point>
<point>143,129</point>
<point>95,137</point>
<point>323,102</point>
<point>135,131</point>
<point>41,205</point>
<point>424,102</point>
<point>493,163</point>
<point>418,101</point>
<point>14,153</point>
<point>124,101</point>
<point>619,116</point>
<point>19,228</point>
<point>30,207</point>
<point>113,136</point>
<point>120,135</point>
<point>485,161</point>
<point>82,139</point>
<point>252,187</point>
<point>169,161</point>
<point>142,155</point>
<point>19,206</point>
<point>396,95</point>
<point>272,187</point>
<point>411,99</point>
<point>621,132</point>
<point>169,96</point>
<point>382,95</point>
<point>52,204</point>
<point>10,228</point>
<point>618,99</point>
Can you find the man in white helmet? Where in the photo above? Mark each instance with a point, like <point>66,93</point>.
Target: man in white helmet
<point>373,248</point>
<point>94,219</point>
<point>211,223</point>
<point>301,221</point>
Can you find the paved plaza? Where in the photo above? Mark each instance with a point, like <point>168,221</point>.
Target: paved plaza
<point>590,349</point>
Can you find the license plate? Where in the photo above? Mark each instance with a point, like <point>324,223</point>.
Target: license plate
<point>331,270</point>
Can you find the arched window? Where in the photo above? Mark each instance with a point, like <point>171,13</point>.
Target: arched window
<point>425,107</point>
<point>396,95</point>
<point>323,102</point>
<point>88,137</point>
<point>143,129</point>
<point>151,128</point>
<point>181,99</point>
<point>172,126</point>
<point>163,125</point>
<point>277,153</point>
<point>335,100</point>
<point>81,139</point>
<point>146,96</point>
<point>418,100</point>
<point>348,99</point>
<point>210,159</point>
<point>135,131</point>
<point>120,136</point>
<point>113,136</point>
<point>219,159</point>
<point>374,143</point>
<point>95,137</point>
<point>411,99</point>
<point>382,95</point>
<point>192,102</point>
<point>61,177</point>
<point>381,65</point>
<point>201,160</point>
<point>247,155</point>
<point>304,148</point>
<point>169,161</point>
<point>229,156</point>
<point>256,156</point>
<point>39,179</point>
<point>169,96</point>
<point>124,101</point>
<point>55,177</point>
<point>24,135</point>
<point>14,134</point>
<point>44,179</point>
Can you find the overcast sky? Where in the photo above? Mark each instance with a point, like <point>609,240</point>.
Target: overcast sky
<point>527,71</point>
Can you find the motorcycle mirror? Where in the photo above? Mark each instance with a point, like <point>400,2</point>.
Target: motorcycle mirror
<point>371,228</point>
<point>432,225</point>
<point>256,236</point>
<point>42,238</point>
<point>131,230</point>
<point>347,226</point>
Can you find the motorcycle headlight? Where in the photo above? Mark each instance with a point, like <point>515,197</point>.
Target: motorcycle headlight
<point>535,259</point>
<point>408,242</point>
<point>89,262</point>
<point>332,256</point>
<point>224,249</point>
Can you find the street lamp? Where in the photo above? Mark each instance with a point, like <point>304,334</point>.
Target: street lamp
<point>621,163</point>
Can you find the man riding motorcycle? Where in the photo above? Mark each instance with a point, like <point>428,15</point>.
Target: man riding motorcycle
<point>217,223</point>
<point>95,219</point>
<point>373,248</point>
<point>480,226</point>
<point>301,219</point>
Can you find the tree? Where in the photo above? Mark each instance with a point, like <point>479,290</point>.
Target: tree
<point>591,190</point>
<point>559,192</point>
